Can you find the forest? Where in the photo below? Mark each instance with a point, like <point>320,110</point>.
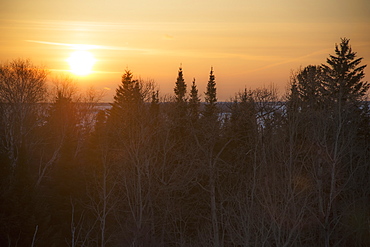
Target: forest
<point>260,170</point>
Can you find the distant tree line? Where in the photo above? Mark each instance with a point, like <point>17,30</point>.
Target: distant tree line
<point>178,172</point>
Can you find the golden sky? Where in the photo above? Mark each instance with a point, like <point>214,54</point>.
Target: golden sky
<point>249,43</point>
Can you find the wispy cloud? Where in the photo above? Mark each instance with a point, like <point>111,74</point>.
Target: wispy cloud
<point>90,47</point>
<point>107,72</point>
<point>320,52</point>
<point>168,37</point>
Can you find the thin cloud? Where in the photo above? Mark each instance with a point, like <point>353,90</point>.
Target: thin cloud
<point>60,70</point>
<point>106,72</point>
<point>92,72</point>
<point>168,37</point>
<point>89,47</point>
<point>324,51</point>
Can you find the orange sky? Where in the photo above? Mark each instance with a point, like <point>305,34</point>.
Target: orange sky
<point>248,43</point>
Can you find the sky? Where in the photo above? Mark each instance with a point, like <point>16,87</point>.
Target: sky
<point>248,43</point>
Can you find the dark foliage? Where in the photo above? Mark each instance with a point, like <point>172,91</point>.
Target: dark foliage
<point>251,172</point>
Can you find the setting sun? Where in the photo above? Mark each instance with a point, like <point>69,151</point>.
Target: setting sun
<point>81,62</point>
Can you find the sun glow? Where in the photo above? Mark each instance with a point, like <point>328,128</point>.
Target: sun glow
<point>81,62</point>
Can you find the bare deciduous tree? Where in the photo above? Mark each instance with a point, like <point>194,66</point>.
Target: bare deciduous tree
<point>22,85</point>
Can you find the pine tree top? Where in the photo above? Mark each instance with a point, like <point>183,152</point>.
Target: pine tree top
<point>128,92</point>
<point>344,74</point>
<point>210,94</point>
<point>180,88</point>
<point>194,97</point>
<point>211,97</point>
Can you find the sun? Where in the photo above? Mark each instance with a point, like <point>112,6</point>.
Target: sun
<point>81,62</point>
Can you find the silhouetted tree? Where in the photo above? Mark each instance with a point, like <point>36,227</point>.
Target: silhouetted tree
<point>345,90</point>
<point>324,113</point>
<point>343,75</point>
<point>22,85</point>
<point>194,102</point>
<point>128,103</point>
<point>180,88</point>
<point>210,97</point>
<point>310,87</point>
<point>179,112</point>
<point>22,88</point>
<point>242,125</point>
<point>154,104</point>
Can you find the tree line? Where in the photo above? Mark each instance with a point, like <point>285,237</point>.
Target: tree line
<point>179,172</point>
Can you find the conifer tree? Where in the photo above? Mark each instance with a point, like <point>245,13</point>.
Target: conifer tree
<point>128,93</point>
<point>243,116</point>
<point>325,113</point>
<point>210,97</point>
<point>180,88</point>
<point>194,102</point>
<point>128,101</point>
<point>242,127</point>
<point>180,107</point>
<point>343,75</point>
<point>293,98</point>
